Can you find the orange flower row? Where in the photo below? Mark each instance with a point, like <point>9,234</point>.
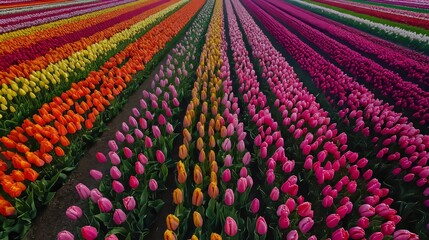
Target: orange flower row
<point>24,69</point>
<point>57,121</point>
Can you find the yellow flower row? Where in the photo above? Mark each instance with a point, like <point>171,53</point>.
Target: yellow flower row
<point>38,28</point>
<point>64,70</point>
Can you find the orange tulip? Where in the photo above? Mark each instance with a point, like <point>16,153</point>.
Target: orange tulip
<point>213,177</point>
<point>183,152</point>
<point>213,190</point>
<point>198,219</point>
<point>215,236</point>
<point>169,235</point>
<point>172,222</point>
<point>212,141</point>
<point>202,156</point>
<point>30,174</point>
<point>177,196</point>
<point>59,151</point>
<point>212,156</point>
<point>7,142</point>
<point>17,176</point>
<point>198,175</point>
<point>200,144</point>
<point>34,159</point>
<point>197,197</point>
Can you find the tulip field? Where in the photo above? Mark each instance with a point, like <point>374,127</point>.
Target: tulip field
<point>214,119</point>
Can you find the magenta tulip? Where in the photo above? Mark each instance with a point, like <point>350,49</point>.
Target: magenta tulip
<point>275,194</point>
<point>119,135</point>
<point>332,220</point>
<point>160,156</point>
<point>95,174</point>
<point>305,224</point>
<point>148,142</point>
<point>376,236</point>
<point>230,227</point>
<point>129,203</point>
<point>115,173</point>
<point>153,185</point>
<point>117,186</point>
<point>74,213</point>
<point>261,226</point>
<point>104,204</point>
<point>246,158</point>
<point>356,233</point>
<point>226,175</point>
<point>254,206</point>
<point>133,182</point>
<point>229,197</point>
<point>101,157</point>
<point>363,222</point>
<point>156,132</point>
<point>340,234</point>
<point>304,209</point>
<point>112,237</point>
<point>366,210</point>
<point>113,146</point>
<point>292,235</point>
<point>139,168</point>
<point>89,232</point>
<point>241,185</point>
<point>95,195</point>
<point>114,158</point>
<point>388,227</point>
<point>119,216</point>
<point>128,152</point>
<point>284,222</point>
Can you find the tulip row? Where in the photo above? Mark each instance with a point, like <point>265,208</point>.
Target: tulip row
<point>14,22</point>
<point>311,61</point>
<point>395,139</point>
<point>138,54</point>
<point>167,89</point>
<point>404,94</point>
<point>69,36</point>
<point>18,95</point>
<point>395,34</point>
<point>415,71</point>
<point>412,4</point>
<point>402,16</point>
<point>339,174</point>
<point>37,5</point>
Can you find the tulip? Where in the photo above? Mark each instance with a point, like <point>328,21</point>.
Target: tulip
<point>112,237</point>
<point>183,152</point>
<point>254,206</point>
<point>270,176</point>
<point>119,216</point>
<point>139,168</point>
<point>95,174</point>
<point>363,222</point>
<point>227,161</point>
<point>113,146</point>
<point>332,220</point>
<point>246,158</point>
<point>104,204</point>
<point>198,175</point>
<point>142,159</point>
<point>376,236</point>
<point>114,158</point>
<point>89,232</point>
<point>292,235</point>
<point>148,142</point>
<point>119,135</point>
<point>65,235</point>
<point>249,180</point>
<point>74,212</point>
<point>340,234</point>
<point>229,197</point>
<point>172,222</point>
<point>215,236</point>
<point>197,197</point>
<point>284,222</point>
<point>213,190</point>
<point>327,201</point>
<point>261,226</point>
<point>177,196</point>
<point>226,145</point>
<point>100,157</point>
<point>115,173</point>
<point>117,186</point>
<point>356,233</point>
<point>129,203</point>
<point>153,185</point>
<point>95,194</point>
<point>83,191</point>
<point>160,156</point>
<point>305,224</point>
<point>388,228</point>
<point>230,227</point>
<point>130,140</point>
<point>198,219</point>
<point>304,209</point>
<point>290,203</point>
<point>169,235</point>
<point>366,210</point>
<point>226,176</point>
<point>241,185</point>
<point>169,128</point>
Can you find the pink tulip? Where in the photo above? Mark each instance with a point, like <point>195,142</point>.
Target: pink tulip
<point>143,123</point>
<point>351,187</point>
<point>243,172</point>
<point>89,232</point>
<point>376,236</point>
<point>332,220</point>
<point>156,132</point>
<point>139,168</point>
<point>119,216</point>
<point>117,186</point>
<point>148,142</point>
<point>104,204</point>
<point>128,153</point>
<point>304,209</point>
<point>114,158</point>
<point>292,235</point>
<point>129,203</point>
<point>230,227</point>
<point>290,203</point>
<point>356,233</point>
<point>402,235</point>
<point>228,161</point>
<point>65,235</point>
<point>275,194</point>
<point>249,180</point>
<point>160,156</point>
<point>388,228</point>
<point>241,185</point>
<point>133,182</point>
<point>261,226</point>
<point>284,222</point>
<point>229,197</point>
<point>161,120</point>
<point>226,145</point>
<point>95,195</point>
<point>340,234</point>
<point>283,210</point>
<point>120,136</point>
<point>270,176</point>
<point>74,213</point>
<point>112,145</point>
<point>366,210</point>
<point>95,174</point>
<point>112,237</point>
<point>83,191</point>
<point>142,159</point>
<point>327,201</point>
<point>363,222</point>
<point>342,211</point>
<point>100,157</point>
<point>153,185</point>
<point>306,224</point>
<point>254,206</point>
<point>130,139</point>
<point>226,175</point>
<point>169,128</point>
<point>115,173</point>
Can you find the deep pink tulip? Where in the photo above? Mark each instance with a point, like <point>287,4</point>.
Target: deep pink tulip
<point>142,159</point>
<point>112,237</point>
<point>284,222</point>
<point>356,233</point>
<point>139,168</point>
<point>89,232</point>
<point>304,209</point>
<point>117,186</point>
<point>254,206</point>
<point>332,220</point>
<point>148,142</point>
<point>161,120</point>
<point>83,191</point>
<point>376,236</point>
<point>240,146</point>
<point>119,216</point>
<point>229,197</point>
<point>243,172</point>
<point>306,224</point>
<point>366,210</point>
<point>246,158</point>
<point>327,201</point>
<point>282,210</point>
<point>241,185</point>
<point>228,161</point>
<point>226,145</point>
<point>153,185</point>
<point>340,234</point>
<point>160,157</point>
<point>275,194</point>
<point>292,235</point>
<point>261,226</point>
<point>74,212</point>
<point>65,235</point>
<point>128,153</point>
<point>95,195</point>
<point>120,136</point>
<point>342,211</point>
<point>112,145</point>
<point>226,176</point>
<point>270,176</point>
<point>130,140</point>
<point>114,158</point>
<point>133,182</point>
<point>363,222</point>
<point>230,227</point>
<point>388,227</point>
<point>290,203</point>
<point>104,204</point>
<point>169,128</point>
<point>101,157</point>
<point>143,123</point>
<point>156,132</point>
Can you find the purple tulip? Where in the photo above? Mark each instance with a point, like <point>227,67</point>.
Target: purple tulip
<point>83,191</point>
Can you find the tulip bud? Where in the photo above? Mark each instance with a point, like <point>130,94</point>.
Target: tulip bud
<point>197,197</point>
<point>213,190</point>
<point>97,175</point>
<point>89,232</point>
<point>95,194</point>
<point>198,175</point>
<point>275,194</point>
<point>83,191</point>
<point>129,203</point>
<point>74,213</point>
<point>340,234</point>
<point>356,233</point>
<point>65,235</point>
<point>153,185</point>
<point>115,173</point>
<point>304,209</point>
<point>117,186</point>
<point>177,196</point>
<point>172,222</point>
<point>254,206</point>
<point>119,216</point>
<point>230,227</point>
<point>112,237</point>
<point>198,219</point>
<point>100,157</point>
<point>229,197</point>
<point>241,185</point>
<point>292,235</point>
<point>261,226</point>
<point>169,235</point>
<point>332,220</point>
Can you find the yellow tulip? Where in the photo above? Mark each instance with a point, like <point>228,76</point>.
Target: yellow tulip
<point>200,143</point>
<point>169,235</point>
